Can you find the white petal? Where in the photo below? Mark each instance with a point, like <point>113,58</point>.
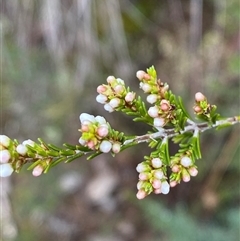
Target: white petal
<point>6,170</point>
<point>85,116</point>
<point>100,119</point>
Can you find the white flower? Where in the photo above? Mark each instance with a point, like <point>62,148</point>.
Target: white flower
<point>102,130</point>
<point>143,167</point>
<point>156,162</point>
<point>82,141</point>
<point>130,96</point>
<point>4,140</point>
<point>86,117</point>
<point>153,111</point>
<point>115,102</point>
<point>186,161</point>
<point>108,108</point>
<point>120,81</point>
<point>21,149</point>
<point>165,188</point>
<point>28,142</point>
<point>6,170</point>
<point>105,146</point>
<point>101,98</point>
<point>158,174</point>
<point>37,170</point>
<point>4,156</point>
<point>116,147</point>
<point>152,98</point>
<point>145,87</point>
<point>140,74</point>
<point>100,120</point>
<point>110,79</point>
<point>158,122</point>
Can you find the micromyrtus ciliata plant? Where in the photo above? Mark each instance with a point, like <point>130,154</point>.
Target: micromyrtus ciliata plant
<point>168,121</point>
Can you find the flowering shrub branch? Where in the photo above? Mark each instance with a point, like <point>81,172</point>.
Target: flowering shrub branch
<point>168,121</point>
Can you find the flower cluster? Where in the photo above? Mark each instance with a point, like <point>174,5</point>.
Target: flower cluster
<point>152,178</point>
<point>201,105</point>
<point>96,134</point>
<point>114,95</point>
<point>162,111</point>
<point>182,168</point>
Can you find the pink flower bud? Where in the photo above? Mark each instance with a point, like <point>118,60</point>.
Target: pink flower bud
<point>141,194</point>
<point>199,97</point>
<point>4,140</point>
<point>21,149</point>
<point>153,111</point>
<point>130,96</point>
<point>116,147</point>
<point>6,170</point>
<point>186,161</point>
<point>101,89</point>
<point>102,130</point>
<point>193,171</point>
<point>185,176</point>
<point>37,170</point>
<point>91,144</point>
<point>111,79</point>
<point>197,109</point>
<point>119,89</point>
<point>175,168</point>
<point>101,98</point>
<point>156,162</point>
<point>105,146</point>
<point>173,183</point>
<point>158,122</point>
<point>152,98</point>
<point>165,105</point>
<point>144,176</point>
<point>140,74</point>
<point>5,156</point>
<point>156,184</point>
<point>165,188</point>
<point>157,191</point>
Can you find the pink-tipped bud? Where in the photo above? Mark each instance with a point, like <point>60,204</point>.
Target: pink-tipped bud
<point>152,98</point>
<point>4,141</point>
<point>5,156</point>
<point>175,168</point>
<point>197,109</point>
<point>185,176</point>
<point>21,149</point>
<point>165,105</point>
<point>140,74</point>
<point>158,122</point>
<point>111,79</point>
<point>105,146</point>
<point>143,176</point>
<point>85,128</point>
<point>157,191</point>
<point>101,89</point>
<point>116,147</point>
<point>193,171</point>
<point>119,89</point>
<point>91,144</point>
<point>173,183</point>
<point>141,194</point>
<point>156,184</point>
<point>102,130</point>
<point>199,97</point>
<point>156,162</point>
<point>37,170</point>
<point>130,96</point>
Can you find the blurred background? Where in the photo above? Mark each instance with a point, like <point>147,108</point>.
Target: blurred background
<point>54,53</point>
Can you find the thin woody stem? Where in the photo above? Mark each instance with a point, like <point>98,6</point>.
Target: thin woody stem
<point>169,133</point>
